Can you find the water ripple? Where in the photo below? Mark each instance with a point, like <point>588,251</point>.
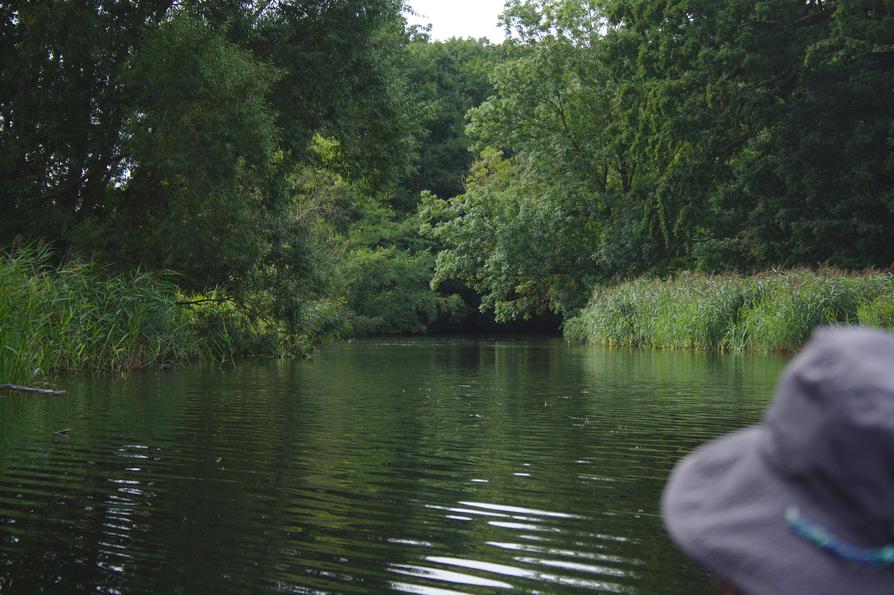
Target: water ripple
<point>422,466</point>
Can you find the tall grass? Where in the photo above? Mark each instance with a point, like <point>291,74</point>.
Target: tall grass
<point>769,312</point>
<point>80,317</point>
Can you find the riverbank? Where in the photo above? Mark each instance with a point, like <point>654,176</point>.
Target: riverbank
<point>766,312</point>
<point>80,317</point>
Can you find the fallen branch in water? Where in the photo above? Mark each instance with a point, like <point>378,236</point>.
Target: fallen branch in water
<point>27,389</point>
<point>202,301</point>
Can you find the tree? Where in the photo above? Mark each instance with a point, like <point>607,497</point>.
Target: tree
<point>554,204</point>
<point>201,142</point>
<point>771,124</point>
<point>63,109</point>
<point>723,135</point>
<point>172,134</point>
<point>448,78</point>
<point>523,244</point>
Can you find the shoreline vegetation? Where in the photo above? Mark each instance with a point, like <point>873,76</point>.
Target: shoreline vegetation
<point>79,317</point>
<point>205,181</point>
<point>766,312</point>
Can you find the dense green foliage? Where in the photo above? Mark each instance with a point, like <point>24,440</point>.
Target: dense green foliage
<point>250,148</point>
<point>447,79</point>
<point>178,135</point>
<point>385,268</point>
<point>79,316</point>
<point>306,169</point>
<point>765,312</point>
<point>653,136</point>
<point>386,274</point>
<point>523,248</point>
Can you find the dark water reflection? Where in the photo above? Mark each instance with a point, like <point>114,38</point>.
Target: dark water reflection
<point>422,465</point>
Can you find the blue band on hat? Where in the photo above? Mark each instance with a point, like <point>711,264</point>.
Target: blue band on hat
<point>883,556</point>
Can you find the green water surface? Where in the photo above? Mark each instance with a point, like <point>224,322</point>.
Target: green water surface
<point>418,465</point>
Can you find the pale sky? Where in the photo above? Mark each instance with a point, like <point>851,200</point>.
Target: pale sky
<point>459,18</point>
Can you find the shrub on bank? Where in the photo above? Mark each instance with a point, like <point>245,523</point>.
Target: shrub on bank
<point>764,312</point>
<point>388,292</point>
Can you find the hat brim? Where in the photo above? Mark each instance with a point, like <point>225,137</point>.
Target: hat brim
<point>724,506</point>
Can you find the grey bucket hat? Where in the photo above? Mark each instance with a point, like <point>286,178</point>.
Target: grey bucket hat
<point>804,501</point>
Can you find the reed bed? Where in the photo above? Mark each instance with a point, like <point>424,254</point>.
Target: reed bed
<point>768,312</point>
<point>81,317</point>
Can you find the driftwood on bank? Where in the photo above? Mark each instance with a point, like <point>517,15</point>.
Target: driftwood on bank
<point>27,389</point>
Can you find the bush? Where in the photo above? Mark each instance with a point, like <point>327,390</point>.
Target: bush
<point>388,292</point>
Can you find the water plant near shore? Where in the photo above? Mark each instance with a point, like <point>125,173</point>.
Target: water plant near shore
<point>78,316</point>
<point>767,312</point>
<point>81,317</point>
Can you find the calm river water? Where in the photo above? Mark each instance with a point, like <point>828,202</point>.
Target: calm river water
<point>419,465</point>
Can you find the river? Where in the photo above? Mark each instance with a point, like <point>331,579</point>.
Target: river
<point>425,465</point>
